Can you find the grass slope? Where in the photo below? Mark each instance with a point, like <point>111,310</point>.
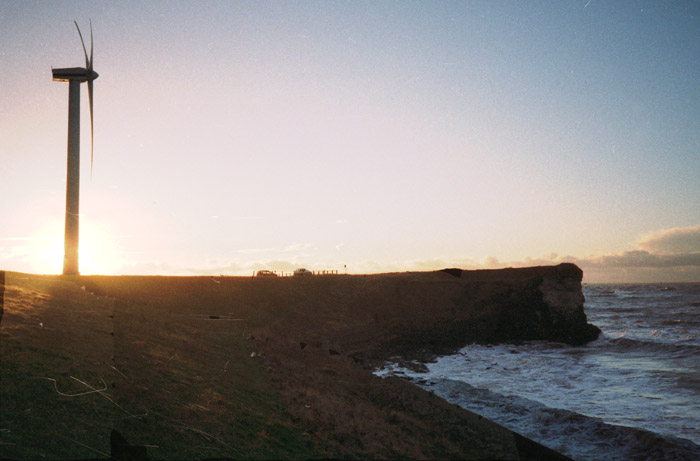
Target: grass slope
<point>179,384</point>
<point>225,367</point>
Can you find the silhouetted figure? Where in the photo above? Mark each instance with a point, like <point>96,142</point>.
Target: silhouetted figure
<point>122,451</point>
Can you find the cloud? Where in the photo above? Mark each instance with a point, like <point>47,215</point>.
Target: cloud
<point>297,247</point>
<point>641,258</point>
<point>231,268</point>
<point>419,265</point>
<point>282,266</point>
<point>665,255</point>
<point>669,255</point>
<point>675,240</point>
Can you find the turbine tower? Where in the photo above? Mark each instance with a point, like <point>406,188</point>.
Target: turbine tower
<point>75,76</point>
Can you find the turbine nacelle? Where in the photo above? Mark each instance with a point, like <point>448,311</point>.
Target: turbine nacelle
<point>74,73</point>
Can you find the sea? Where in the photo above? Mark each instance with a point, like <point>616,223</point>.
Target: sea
<point>633,394</point>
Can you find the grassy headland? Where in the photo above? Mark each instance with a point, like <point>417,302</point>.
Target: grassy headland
<point>230,367</point>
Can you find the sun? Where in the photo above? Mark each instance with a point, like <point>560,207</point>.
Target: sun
<point>98,254</point>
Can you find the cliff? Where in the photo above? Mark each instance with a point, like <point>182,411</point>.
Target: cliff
<point>415,315</point>
<point>419,315</point>
<point>523,304</point>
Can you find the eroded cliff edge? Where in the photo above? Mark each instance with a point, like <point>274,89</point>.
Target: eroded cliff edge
<point>378,316</point>
<point>508,305</point>
<point>418,315</point>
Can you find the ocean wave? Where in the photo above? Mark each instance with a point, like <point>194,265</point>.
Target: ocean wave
<point>573,434</point>
<point>655,346</point>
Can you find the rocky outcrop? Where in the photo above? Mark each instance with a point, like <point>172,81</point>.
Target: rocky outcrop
<point>561,293</point>
<point>455,308</point>
<point>544,303</point>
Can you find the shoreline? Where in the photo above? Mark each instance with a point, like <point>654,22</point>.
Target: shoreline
<point>597,437</point>
<point>216,349</point>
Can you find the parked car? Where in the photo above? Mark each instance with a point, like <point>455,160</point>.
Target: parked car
<point>265,273</point>
<point>302,272</point>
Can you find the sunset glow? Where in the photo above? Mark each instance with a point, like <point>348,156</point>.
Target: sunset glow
<point>233,136</point>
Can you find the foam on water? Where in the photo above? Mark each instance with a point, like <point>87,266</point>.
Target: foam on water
<point>632,394</point>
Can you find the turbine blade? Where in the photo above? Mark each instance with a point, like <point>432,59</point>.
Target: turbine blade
<point>92,130</point>
<point>87,61</point>
<point>90,68</point>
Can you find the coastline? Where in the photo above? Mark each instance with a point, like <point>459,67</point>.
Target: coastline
<point>596,437</point>
<point>631,394</point>
<point>294,356</point>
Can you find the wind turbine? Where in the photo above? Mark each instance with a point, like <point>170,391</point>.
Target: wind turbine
<point>75,76</point>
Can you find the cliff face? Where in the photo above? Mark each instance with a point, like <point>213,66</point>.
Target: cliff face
<point>442,311</point>
<point>527,304</point>
<point>388,313</point>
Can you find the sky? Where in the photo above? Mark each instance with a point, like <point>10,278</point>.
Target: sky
<point>381,136</point>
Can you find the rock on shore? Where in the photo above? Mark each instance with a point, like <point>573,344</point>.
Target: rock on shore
<point>526,304</point>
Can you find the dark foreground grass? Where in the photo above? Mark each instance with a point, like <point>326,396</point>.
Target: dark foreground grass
<point>76,365</point>
<point>231,367</point>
